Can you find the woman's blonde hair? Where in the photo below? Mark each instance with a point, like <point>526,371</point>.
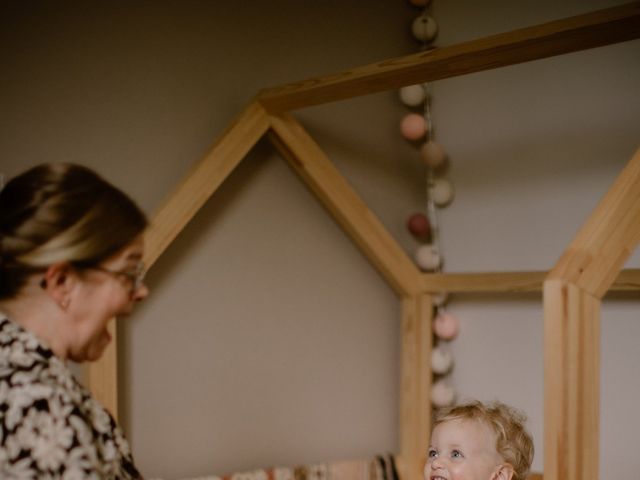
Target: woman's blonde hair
<point>513,442</point>
<point>61,213</point>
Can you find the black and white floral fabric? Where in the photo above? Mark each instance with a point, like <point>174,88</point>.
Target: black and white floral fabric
<point>50,426</point>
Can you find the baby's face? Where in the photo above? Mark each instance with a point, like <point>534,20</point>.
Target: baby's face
<point>462,450</point>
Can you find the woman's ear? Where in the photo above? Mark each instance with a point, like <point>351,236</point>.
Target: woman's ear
<point>57,282</point>
<point>503,472</point>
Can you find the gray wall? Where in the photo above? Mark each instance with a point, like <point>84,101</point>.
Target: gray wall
<point>269,340</point>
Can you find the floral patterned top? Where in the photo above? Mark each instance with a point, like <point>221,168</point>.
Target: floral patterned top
<point>50,425</point>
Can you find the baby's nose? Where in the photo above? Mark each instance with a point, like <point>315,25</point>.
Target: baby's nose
<point>436,463</point>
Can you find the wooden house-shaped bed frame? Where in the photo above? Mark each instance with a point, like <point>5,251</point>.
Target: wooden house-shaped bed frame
<point>572,290</point>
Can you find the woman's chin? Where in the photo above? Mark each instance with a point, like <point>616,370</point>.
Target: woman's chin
<point>97,347</point>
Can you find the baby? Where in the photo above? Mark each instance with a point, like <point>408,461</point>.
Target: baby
<point>477,441</point>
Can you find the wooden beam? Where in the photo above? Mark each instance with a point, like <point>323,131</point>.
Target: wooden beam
<point>102,376</point>
<point>344,204</point>
<point>571,382</point>
<point>599,28</point>
<point>607,239</point>
<point>503,282</point>
<point>204,178</point>
<point>179,208</point>
<point>511,282</point>
<point>415,387</point>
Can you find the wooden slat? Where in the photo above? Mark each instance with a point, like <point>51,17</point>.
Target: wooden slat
<point>603,27</point>
<point>102,376</point>
<point>488,282</point>
<point>511,282</point>
<point>415,387</point>
<point>204,178</point>
<point>180,207</point>
<point>344,204</point>
<point>571,382</point>
<point>607,239</point>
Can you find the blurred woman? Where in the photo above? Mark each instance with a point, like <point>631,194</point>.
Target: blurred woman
<point>71,247</point>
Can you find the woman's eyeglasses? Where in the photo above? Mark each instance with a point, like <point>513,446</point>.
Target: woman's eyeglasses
<point>135,276</point>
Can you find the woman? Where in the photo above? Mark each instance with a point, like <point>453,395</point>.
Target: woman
<point>71,251</point>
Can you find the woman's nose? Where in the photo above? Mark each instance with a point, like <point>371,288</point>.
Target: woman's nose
<point>141,292</point>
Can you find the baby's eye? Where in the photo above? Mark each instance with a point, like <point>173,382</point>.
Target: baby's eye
<point>431,453</point>
<point>456,454</point>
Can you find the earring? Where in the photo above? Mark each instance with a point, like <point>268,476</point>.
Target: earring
<point>64,303</point>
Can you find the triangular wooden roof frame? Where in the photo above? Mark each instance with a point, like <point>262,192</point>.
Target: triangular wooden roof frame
<point>572,290</point>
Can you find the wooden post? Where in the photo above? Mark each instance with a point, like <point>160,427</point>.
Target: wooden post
<point>415,388</point>
<point>572,295</point>
<point>571,382</point>
<point>102,376</point>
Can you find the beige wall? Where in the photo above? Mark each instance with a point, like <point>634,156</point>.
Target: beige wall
<point>534,147</point>
<point>269,340</point>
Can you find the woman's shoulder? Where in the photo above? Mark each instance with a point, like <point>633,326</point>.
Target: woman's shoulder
<point>33,382</point>
<point>19,348</point>
<point>27,364</point>
<point>51,422</point>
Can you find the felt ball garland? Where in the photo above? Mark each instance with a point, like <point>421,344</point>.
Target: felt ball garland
<point>417,128</point>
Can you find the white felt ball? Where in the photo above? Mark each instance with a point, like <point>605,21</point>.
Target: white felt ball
<point>427,257</point>
<point>432,154</point>
<point>441,360</point>
<point>440,298</point>
<point>424,28</point>
<point>413,95</point>
<point>442,192</point>
<point>442,394</point>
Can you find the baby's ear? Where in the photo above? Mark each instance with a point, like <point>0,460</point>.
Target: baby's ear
<point>503,472</point>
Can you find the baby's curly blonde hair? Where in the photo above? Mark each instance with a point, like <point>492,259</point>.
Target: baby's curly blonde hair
<point>513,442</point>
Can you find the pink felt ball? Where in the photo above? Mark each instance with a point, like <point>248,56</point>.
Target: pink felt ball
<point>418,225</point>
<point>442,394</point>
<point>446,326</point>
<point>432,154</point>
<point>413,126</point>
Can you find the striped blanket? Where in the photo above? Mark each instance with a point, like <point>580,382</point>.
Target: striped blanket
<point>377,468</point>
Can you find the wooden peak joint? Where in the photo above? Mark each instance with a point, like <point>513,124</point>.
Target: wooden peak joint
<point>607,239</point>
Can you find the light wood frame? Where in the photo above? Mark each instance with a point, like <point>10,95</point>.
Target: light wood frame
<point>572,290</point>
